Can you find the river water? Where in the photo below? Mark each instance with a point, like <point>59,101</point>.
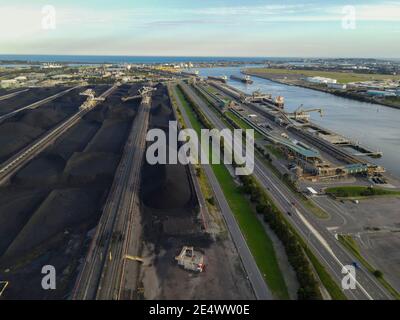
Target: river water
<point>376,126</point>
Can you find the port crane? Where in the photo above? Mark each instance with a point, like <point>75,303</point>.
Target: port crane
<point>142,92</point>
<point>303,114</point>
<point>256,96</point>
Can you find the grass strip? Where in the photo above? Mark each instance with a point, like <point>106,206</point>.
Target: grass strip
<point>260,244</point>
<point>360,192</point>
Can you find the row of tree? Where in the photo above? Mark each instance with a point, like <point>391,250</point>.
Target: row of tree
<point>308,285</point>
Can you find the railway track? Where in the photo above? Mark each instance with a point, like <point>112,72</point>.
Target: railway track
<point>12,165</point>
<point>105,271</point>
<point>37,103</point>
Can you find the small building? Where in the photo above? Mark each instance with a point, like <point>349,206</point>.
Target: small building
<point>320,80</point>
<point>357,168</point>
<point>339,86</point>
<point>311,191</point>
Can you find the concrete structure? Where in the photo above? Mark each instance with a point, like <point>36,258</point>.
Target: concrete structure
<point>190,260</point>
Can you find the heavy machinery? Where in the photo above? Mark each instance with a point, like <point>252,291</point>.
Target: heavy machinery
<point>256,96</point>
<point>303,114</point>
<point>190,260</point>
<point>142,92</point>
<point>279,101</point>
<point>91,99</point>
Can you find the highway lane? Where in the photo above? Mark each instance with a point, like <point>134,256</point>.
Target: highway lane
<point>12,165</point>
<point>104,271</point>
<point>322,242</point>
<point>37,103</point>
<point>254,275</point>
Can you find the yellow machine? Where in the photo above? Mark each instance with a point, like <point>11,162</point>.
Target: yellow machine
<point>133,258</point>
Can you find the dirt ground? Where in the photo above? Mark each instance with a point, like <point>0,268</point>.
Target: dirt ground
<point>171,220</point>
<point>50,207</point>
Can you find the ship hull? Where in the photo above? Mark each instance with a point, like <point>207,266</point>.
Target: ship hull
<point>243,80</point>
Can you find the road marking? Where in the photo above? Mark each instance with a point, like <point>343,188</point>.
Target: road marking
<point>329,249</point>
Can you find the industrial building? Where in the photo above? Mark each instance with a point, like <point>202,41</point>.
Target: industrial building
<point>320,80</point>
<point>339,86</point>
<point>381,93</point>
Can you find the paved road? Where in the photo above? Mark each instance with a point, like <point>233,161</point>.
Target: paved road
<point>255,277</point>
<point>320,240</point>
<point>12,165</point>
<point>37,103</point>
<point>106,274</point>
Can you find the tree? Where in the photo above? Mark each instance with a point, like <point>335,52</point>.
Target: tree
<point>378,273</point>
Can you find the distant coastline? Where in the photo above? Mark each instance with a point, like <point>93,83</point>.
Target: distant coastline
<point>92,59</point>
<point>334,92</point>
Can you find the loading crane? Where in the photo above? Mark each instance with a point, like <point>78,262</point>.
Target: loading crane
<point>142,92</point>
<point>303,114</point>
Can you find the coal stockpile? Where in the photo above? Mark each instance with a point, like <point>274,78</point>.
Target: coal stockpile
<point>27,98</point>
<point>4,92</point>
<point>26,126</point>
<point>170,207</point>
<point>52,205</point>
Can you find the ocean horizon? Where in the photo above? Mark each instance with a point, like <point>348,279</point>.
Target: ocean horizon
<point>125,59</point>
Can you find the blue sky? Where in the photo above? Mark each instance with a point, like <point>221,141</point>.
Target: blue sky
<point>202,28</point>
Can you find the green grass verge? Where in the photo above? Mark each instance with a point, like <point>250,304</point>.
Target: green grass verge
<point>260,244</point>
<point>330,285</point>
<point>359,191</point>
<point>242,124</point>
<point>350,244</point>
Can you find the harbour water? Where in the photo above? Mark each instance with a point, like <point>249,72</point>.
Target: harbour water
<point>375,126</point>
